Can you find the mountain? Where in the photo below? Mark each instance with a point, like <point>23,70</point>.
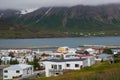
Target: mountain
<point>80,18</point>
<point>26,11</point>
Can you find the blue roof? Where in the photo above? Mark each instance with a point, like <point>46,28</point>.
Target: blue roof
<point>104,55</point>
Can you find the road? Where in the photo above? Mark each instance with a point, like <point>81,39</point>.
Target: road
<point>34,75</point>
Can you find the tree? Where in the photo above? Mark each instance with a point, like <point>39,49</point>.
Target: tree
<point>10,61</point>
<point>35,63</point>
<point>27,61</point>
<point>14,61</point>
<point>11,54</point>
<point>108,51</point>
<point>43,54</point>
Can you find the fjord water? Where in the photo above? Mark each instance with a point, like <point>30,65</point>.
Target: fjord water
<point>71,42</point>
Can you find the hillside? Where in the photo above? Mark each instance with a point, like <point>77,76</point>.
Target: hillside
<point>68,21</point>
<point>99,71</point>
<point>105,17</point>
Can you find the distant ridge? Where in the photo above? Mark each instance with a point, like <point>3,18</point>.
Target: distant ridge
<point>80,18</point>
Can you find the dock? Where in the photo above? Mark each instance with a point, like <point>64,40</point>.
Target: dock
<point>101,46</point>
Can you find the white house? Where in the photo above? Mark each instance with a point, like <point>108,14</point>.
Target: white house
<point>21,60</point>
<point>6,59</point>
<point>90,50</point>
<point>18,70</point>
<point>72,50</point>
<point>70,56</point>
<point>91,60</point>
<point>103,57</point>
<point>29,57</point>
<point>1,70</point>
<point>19,50</point>
<point>56,66</point>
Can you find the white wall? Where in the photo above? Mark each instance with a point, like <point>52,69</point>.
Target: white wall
<point>28,71</point>
<point>48,65</point>
<point>11,73</point>
<point>70,56</point>
<point>90,60</point>
<point>72,65</point>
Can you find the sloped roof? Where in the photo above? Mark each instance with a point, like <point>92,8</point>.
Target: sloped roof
<point>65,60</point>
<point>18,67</point>
<point>90,50</point>
<point>104,55</point>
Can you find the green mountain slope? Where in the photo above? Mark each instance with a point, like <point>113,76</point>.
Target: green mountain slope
<point>66,21</point>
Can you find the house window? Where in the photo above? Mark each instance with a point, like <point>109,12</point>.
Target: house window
<point>68,65</point>
<point>52,66</point>
<point>28,71</point>
<point>76,65</point>
<point>17,71</point>
<point>5,76</point>
<point>60,66</point>
<point>5,71</point>
<point>55,66</point>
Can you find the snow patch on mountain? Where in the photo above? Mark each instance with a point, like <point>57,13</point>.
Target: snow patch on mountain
<point>18,12</point>
<point>48,10</point>
<point>26,11</point>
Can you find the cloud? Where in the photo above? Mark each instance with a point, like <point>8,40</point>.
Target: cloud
<point>21,4</point>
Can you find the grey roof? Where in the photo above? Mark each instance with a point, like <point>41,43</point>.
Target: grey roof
<point>18,67</point>
<point>104,55</point>
<point>65,60</point>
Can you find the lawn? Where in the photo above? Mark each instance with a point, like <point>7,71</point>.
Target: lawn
<point>99,71</point>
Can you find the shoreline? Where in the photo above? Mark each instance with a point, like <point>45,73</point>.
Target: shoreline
<point>60,37</point>
<point>53,47</point>
<point>30,47</point>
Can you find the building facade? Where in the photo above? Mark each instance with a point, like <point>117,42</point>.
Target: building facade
<point>16,71</point>
<point>56,67</point>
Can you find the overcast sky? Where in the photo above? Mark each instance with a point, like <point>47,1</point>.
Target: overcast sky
<point>22,4</point>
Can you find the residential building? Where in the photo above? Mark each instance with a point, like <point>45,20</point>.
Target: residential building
<point>1,70</point>
<point>103,57</point>
<point>57,66</point>
<point>90,59</point>
<point>18,70</point>
<point>71,56</point>
<point>62,49</point>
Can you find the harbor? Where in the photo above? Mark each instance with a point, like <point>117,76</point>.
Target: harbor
<point>102,46</point>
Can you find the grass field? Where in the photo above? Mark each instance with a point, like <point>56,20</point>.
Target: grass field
<point>99,71</point>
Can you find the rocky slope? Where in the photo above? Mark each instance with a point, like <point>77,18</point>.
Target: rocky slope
<point>76,18</point>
